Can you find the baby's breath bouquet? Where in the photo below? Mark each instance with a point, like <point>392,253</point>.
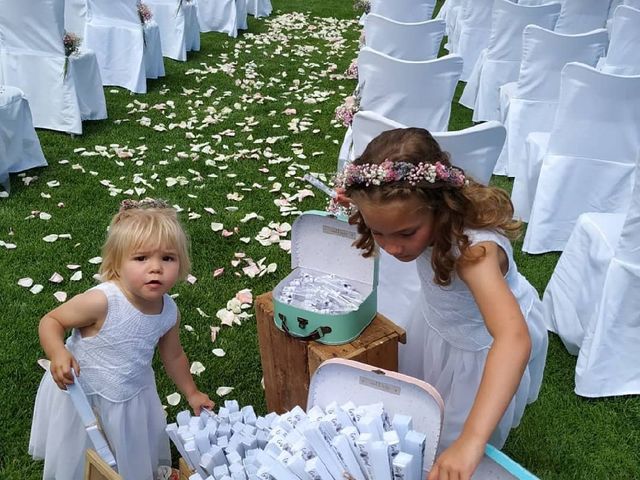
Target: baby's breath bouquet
<point>346,111</point>
<point>362,5</point>
<point>352,71</point>
<point>71,43</point>
<point>144,12</point>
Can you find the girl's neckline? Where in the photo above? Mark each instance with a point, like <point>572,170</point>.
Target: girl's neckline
<point>135,307</point>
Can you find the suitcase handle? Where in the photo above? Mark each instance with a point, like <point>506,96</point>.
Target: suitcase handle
<point>315,335</point>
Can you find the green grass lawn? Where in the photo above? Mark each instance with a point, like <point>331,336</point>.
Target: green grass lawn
<point>212,127</point>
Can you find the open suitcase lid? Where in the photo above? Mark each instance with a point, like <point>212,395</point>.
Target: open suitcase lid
<point>342,380</point>
<point>339,380</point>
<point>322,242</point>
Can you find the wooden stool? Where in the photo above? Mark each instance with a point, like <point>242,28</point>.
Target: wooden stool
<point>288,364</point>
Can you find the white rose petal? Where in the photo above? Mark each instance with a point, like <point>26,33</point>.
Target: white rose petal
<point>60,296</point>
<point>222,391</point>
<point>76,276</point>
<point>73,267</point>
<point>50,238</point>
<point>37,288</point>
<point>25,282</point>
<point>216,227</point>
<point>188,328</point>
<point>44,216</point>
<point>56,278</point>
<point>197,368</point>
<point>94,261</point>
<point>225,316</point>
<point>191,279</point>
<point>218,352</point>
<point>173,399</point>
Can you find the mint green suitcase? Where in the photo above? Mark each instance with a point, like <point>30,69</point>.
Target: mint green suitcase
<point>321,243</point>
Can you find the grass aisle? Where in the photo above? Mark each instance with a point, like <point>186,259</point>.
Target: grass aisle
<point>232,131</point>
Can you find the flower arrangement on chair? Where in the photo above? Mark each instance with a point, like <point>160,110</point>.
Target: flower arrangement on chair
<point>144,12</point>
<point>71,43</point>
<point>346,111</point>
<point>363,5</point>
<point>352,71</point>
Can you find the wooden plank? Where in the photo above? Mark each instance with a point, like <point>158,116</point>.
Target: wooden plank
<point>284,361</point>
<point>185,471</point>
<point>95,468</point>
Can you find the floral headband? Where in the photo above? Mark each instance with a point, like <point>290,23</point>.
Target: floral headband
<point>146,203</point>
<point>390,172</point>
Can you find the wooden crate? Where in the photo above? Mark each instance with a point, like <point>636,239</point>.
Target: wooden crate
<point>288,364</point>
<point>95,468</point>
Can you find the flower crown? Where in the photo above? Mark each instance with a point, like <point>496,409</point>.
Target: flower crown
<point>390,172</point>
<point>146,203</point>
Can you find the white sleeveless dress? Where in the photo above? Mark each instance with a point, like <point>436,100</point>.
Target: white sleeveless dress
<point>448,343</point>
<point>116,375</point>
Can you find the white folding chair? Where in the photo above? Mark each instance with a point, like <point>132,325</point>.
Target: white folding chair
<point>588,163</point>
<point>609,357</point>
<point>178,24</point>
<point>221,16</point>
<point>413,93</point>
<point>623,56</point>
<point>500,62</point>
<point>579,16</point>
<point>259,8</point>
<point>529,105</point>
<point>61,91</point>
<point>19,145</point>
<point>405,41</point>
<point>470,33</point>
<point>128,53</point>
<point>408,11</point>
<point>473,149</point>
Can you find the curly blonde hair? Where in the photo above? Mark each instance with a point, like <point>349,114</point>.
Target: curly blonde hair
<point>473,205</point>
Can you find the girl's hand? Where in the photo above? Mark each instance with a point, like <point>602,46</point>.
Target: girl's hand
<point>459,461</point>
<point>61,364</point>
<point>198,401</point>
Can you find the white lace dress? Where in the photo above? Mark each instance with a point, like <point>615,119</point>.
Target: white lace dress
<point>116,375</point>
<point>448,342</point>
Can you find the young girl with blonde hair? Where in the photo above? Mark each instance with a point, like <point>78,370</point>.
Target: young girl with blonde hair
<point>115,329</point>
<point>476,333</point>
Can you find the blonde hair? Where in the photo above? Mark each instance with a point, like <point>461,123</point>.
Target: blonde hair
<point>134,228</point>
<point>473,205</point>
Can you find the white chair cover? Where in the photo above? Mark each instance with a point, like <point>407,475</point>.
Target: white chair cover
<point>153,61</point>
<point>218,16</point>
<point>175,18</point>
<point>19,144</point>
<point>406,41</point>
<point>85,71</point>
<point>32,59</point>
<point>470,33</point>
<point>75,16</point>
<point>473,149</point>
<point>532,105</point>
<point>609,358</point>
<point>125,49</point>
<point>500,63</point>
<point>589,161</point>
<point>413,93</point>
<point>241,9</point>
<point>623,57</point>
<point>408,11</point>
<point>259,8</point>
<point>576,284</point>
<point>579,16</point>
<point>449,13</point>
